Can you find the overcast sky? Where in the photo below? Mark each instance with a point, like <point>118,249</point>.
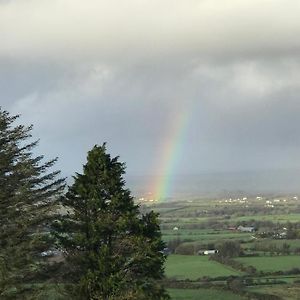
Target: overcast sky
<point>85,72</point>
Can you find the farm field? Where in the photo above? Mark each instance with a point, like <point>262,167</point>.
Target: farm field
<point>280,218</point>
<point>208,237</point>
<point>183,220</point>
<point>191,227</point>
<point>194,267</point>
<point>287,279</point>
<point>288,292</point>
<point>267,243</point>
<point>272,263</point>
<point>199,235</point>
<point>206,294</point>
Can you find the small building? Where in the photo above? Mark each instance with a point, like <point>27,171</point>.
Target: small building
<point>207,252</point>
<point>246,228</point>
<point>210,252</point>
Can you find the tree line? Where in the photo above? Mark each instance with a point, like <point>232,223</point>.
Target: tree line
<point>86,241</point>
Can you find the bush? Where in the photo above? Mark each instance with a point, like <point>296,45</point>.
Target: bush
<point>229,249</point>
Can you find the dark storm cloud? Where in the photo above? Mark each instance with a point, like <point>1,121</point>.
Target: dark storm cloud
<point>88,72</point>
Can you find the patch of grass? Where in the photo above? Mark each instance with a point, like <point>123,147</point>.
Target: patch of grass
<point>194,267</point>
<point>203,294</point>
<point>284,292</point>
<point>198,235</point>
<point>264,244</point>
<point>272,263</point>
<point>274,218</point>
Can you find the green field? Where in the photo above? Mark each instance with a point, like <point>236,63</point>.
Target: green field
<point>183,220</point>
<point>272,263</point>
<point>200,235</point>
<point>204,225</point>
<point>194,267</point>
<point>266,243</point>
<point>203,294</point>
<point>274,218</point>
<point>286,292</point>
<point>280,218</point>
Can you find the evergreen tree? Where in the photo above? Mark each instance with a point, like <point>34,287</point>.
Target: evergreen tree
<point>28,191</point>
<point>113,252</point>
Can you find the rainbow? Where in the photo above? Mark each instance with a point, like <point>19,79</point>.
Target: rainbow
<point>170,155</point>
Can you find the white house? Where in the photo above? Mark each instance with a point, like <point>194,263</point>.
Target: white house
<point>246,229</point>
<point>207,252</point>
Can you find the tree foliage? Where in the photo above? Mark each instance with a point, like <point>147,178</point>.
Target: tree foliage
<point>28,191</point>
<point>228,249</point>
<point>113,252</point>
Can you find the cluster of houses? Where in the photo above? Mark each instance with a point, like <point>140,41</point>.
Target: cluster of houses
<point>277,235</point>
<point>144,199</point>
<point>231,200</point>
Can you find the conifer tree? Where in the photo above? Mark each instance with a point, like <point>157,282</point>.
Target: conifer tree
<point>28,191</point>
<point>113,252</point>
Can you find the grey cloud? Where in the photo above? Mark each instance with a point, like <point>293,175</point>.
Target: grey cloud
<point>132,30</point>
<point>133,108</point>
<point>88,72</point>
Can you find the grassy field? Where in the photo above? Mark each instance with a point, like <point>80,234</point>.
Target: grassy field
<point>194,267</point>
<point>203,294</point>
<point>183,231</point>
<point>200,235</point>
<point>287,279</point>
<point>265,243</point>
<point>175,221</point>
<point>274,218</point>
<point>287,292</point>
<point>272,263</point>
<point>202,224</point>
